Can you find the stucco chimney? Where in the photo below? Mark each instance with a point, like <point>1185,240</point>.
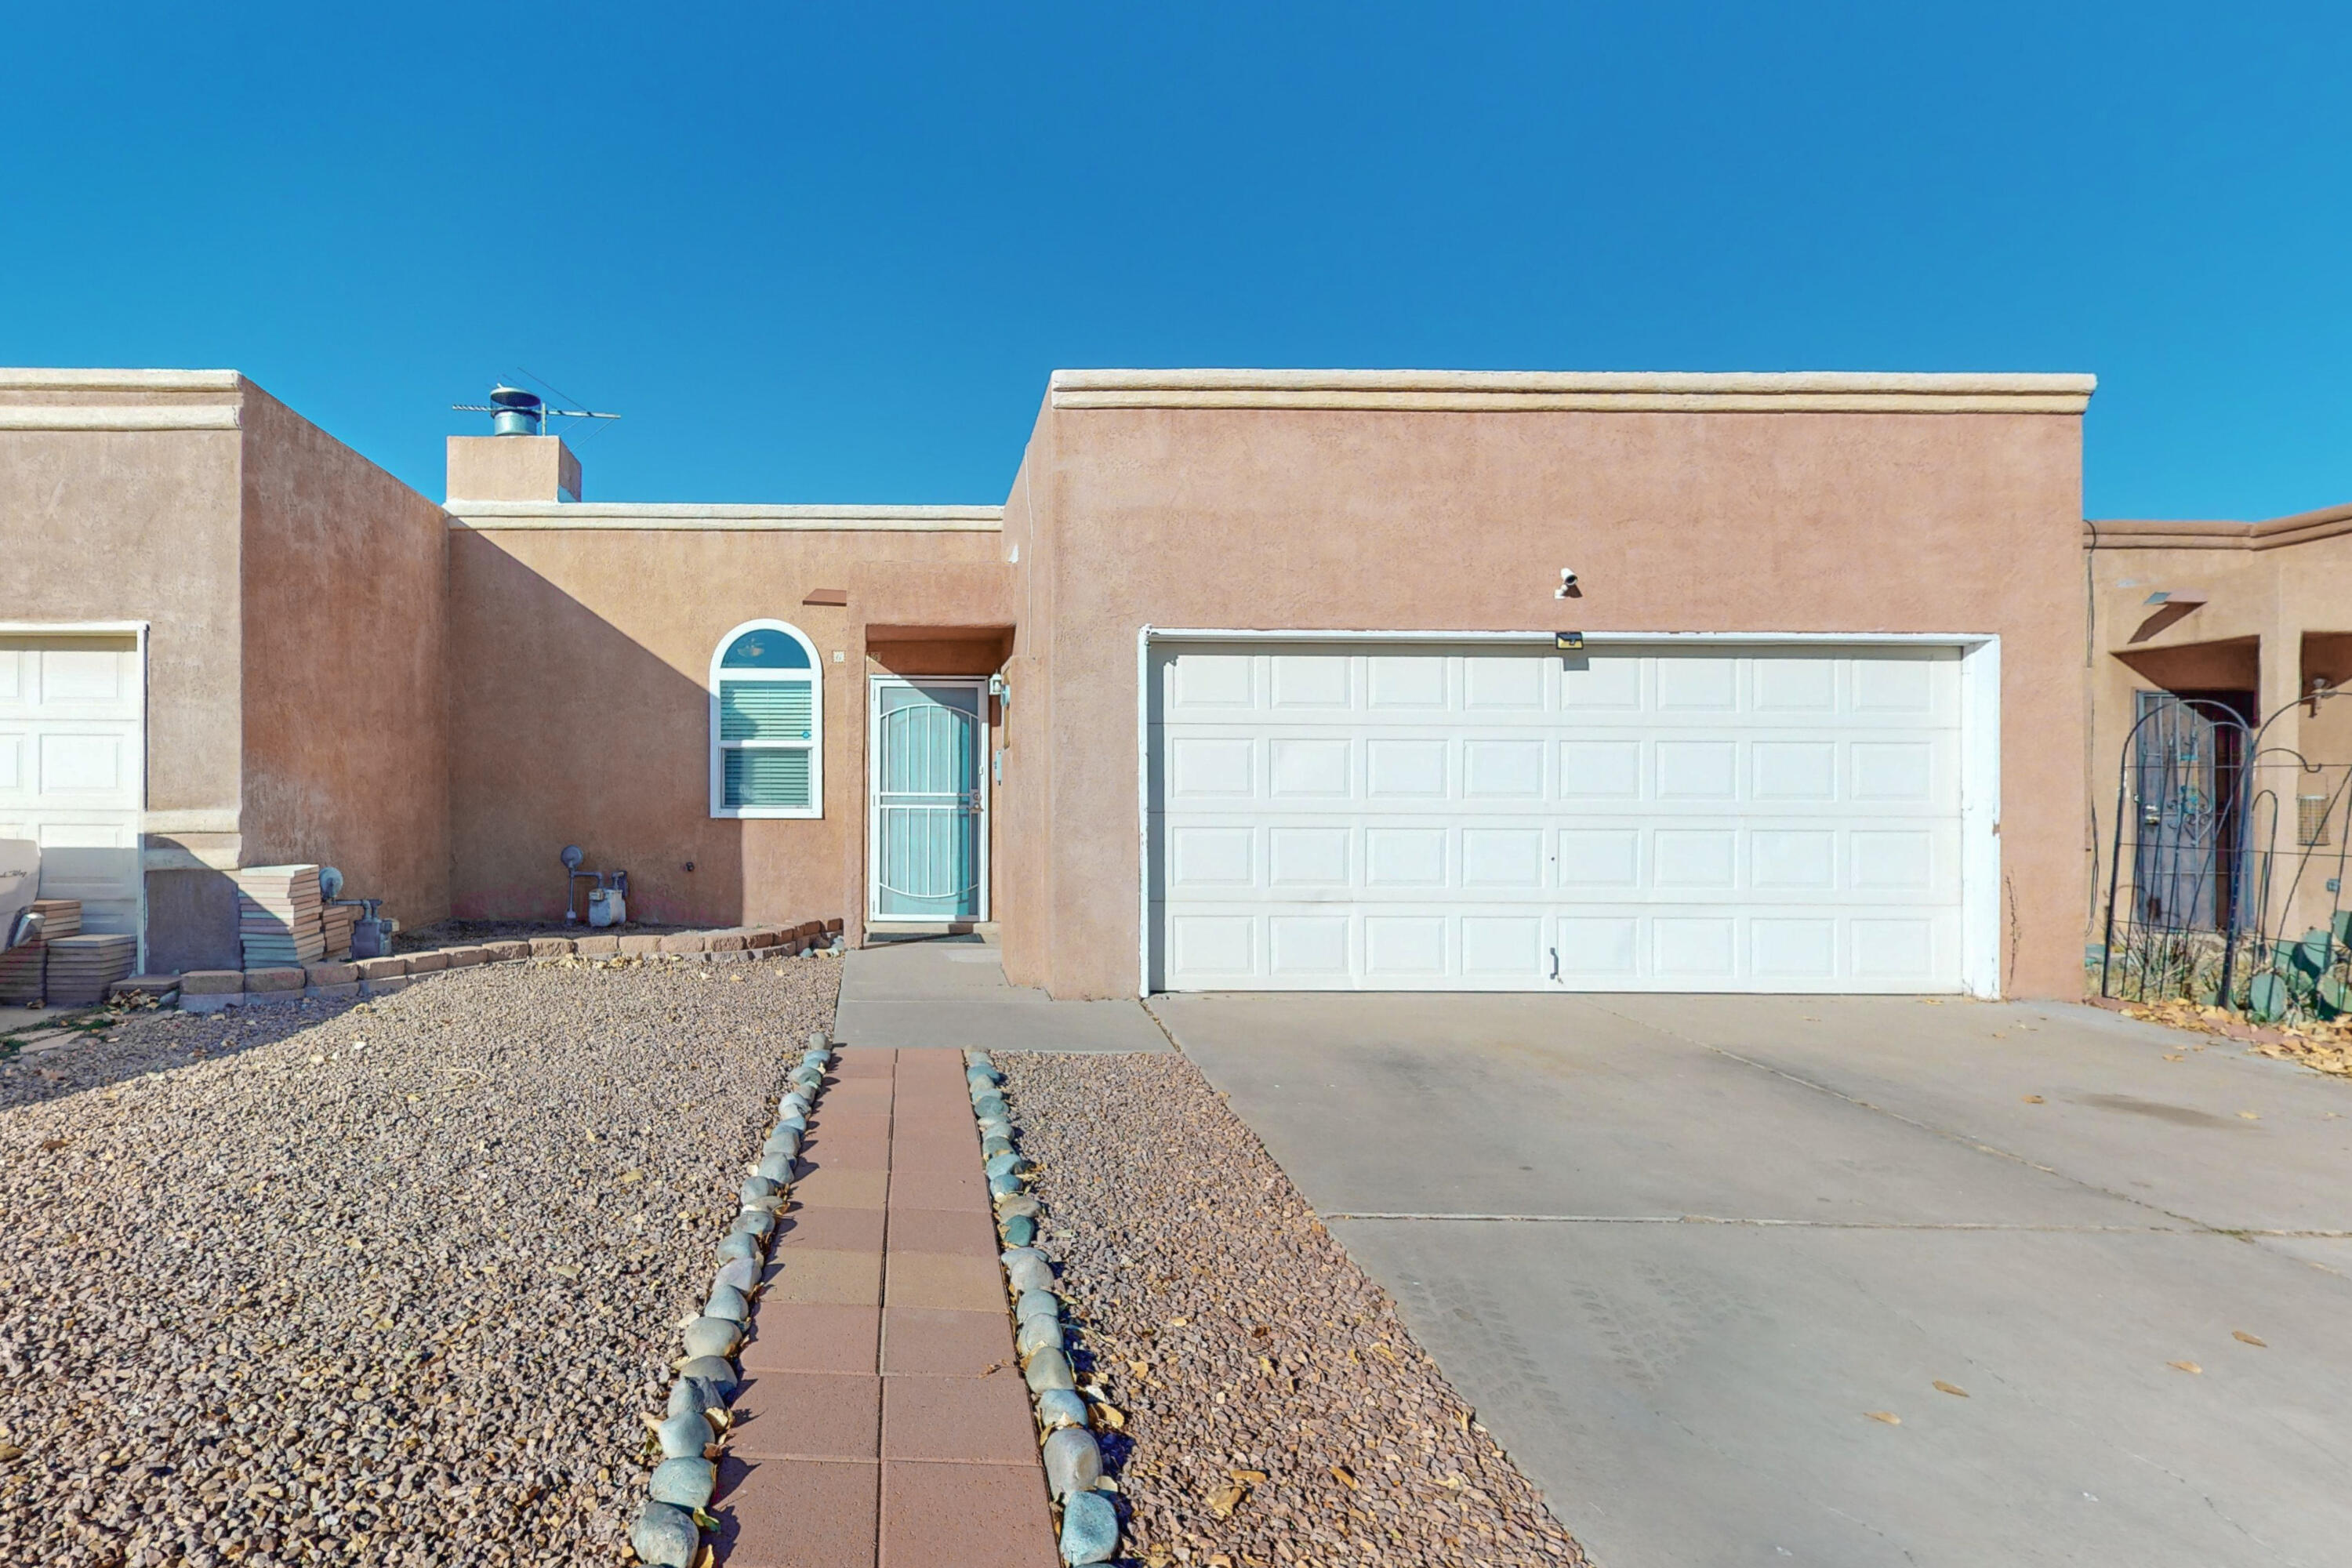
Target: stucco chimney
<point>512,467</point>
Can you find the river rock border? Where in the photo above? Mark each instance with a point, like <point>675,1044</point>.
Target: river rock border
<point>1087,1520</point>
<point>668,1530</point>
<point>211,990</point>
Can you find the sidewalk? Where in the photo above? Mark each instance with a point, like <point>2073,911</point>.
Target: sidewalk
<point>951,991</point>
<point>882,1422</point>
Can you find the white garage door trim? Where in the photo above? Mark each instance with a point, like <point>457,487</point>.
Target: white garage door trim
<point>137,631</point>
<point>1980,748</point>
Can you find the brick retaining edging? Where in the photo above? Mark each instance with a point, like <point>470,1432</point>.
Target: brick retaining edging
<point>667,1529</point>
<point>1086,1520</point>
<point>211,990</point>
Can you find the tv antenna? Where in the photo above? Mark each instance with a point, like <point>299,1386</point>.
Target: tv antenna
<point>514,412</point>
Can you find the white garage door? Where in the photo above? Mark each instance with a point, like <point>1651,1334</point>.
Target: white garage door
<point>1412,818</point>
<point>71,770</point>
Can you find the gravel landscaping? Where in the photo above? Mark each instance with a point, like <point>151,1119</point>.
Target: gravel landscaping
<point>1271,1408</point>
<point>392,1283</point>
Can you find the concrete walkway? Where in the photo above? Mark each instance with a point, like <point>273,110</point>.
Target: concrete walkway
<point>1679,1250</point>
<point>882,1422</point>
<point>951,991</point>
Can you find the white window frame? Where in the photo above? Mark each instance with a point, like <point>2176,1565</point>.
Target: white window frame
<point>816,742</point>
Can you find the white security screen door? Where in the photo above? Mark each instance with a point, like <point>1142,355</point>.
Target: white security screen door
<point>929,839</point>
<point>1418,817</point>
<point>72,769</point>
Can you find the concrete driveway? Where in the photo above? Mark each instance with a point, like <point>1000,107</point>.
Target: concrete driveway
<point>1677,1250</point>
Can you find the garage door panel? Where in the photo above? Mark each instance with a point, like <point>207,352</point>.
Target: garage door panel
<point>1503,769</point>
<point>1499,819</point>
<point>1410,859</point>
<point>1600,950</point>
<point>1406,769</point>
<point>1503,683</point>
<point>1310,767</point>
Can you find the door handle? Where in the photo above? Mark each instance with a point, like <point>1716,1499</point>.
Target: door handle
<point>1555,966</point>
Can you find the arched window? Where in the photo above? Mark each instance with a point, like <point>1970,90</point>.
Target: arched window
<point>767,723</point>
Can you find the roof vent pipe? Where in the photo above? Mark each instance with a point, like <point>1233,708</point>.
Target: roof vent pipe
<point>516,412</point>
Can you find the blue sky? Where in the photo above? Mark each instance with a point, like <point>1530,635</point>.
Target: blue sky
<point>831,253</point>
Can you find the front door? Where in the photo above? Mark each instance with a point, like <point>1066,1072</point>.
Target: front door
<point>928,827</point>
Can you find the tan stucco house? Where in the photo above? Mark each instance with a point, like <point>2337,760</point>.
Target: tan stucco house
<point>1254,680</point>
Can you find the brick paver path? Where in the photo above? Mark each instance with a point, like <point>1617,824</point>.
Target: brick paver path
<point>882,1422</point>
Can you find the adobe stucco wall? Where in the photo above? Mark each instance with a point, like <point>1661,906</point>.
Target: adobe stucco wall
<point>579,661</point>
<point>132,524</point>
<point>1314,518</point>
<point>344,633</point>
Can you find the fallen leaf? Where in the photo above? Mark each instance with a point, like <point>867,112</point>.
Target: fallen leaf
<point>1265,1366</point>
<point>2250,1116</point>
<point>1140,1368</point>
<point>2173,1057</point>
<point>1886,1416</point>
<point>2187,1366</point>
<point>1942,1388</point>
<point>1110,1416</point>
<point>1339,1473</point>
<point>2033,1099</point>
<point>1225,1499</point>
<point>629,1176</point>
<point>2244,1338</point>
<point>1248,1478</point>
<point>10,1451</point>
<point>1178,1322</point>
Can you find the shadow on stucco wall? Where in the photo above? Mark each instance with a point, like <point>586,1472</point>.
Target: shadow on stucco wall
<point>566,730</point>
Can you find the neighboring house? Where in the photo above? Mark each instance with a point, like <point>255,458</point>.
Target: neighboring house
<point>1257,679</point>
<point>2248,624</point>
<point>221,644</point>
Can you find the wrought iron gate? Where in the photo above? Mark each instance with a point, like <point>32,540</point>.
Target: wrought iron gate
<point>2221,847</point>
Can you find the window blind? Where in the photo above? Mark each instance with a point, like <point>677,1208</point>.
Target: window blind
<point>762,776</point>
<point>765,710</point>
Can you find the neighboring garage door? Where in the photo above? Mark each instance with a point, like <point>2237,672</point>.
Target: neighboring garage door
<point>71,768</point>
<point>1419,817</point>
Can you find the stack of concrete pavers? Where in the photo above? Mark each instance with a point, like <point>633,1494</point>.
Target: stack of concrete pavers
<point>21,971</point>
<point>335,923</point>
<point>81,968</point>
<point>210,990</point>
<point>278,919</point>
<point>60,917</point>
